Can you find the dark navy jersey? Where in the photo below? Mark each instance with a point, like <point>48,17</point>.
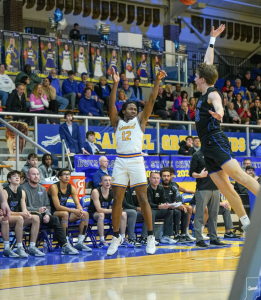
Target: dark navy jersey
<point>105,203</point>
<point>14,199</point>
<point>206,125</point>
<point>62,197</point>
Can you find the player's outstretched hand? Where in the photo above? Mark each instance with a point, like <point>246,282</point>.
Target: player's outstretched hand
<point>115,77</point>
<point>161,74</point>
<point>218,31</point>
<point>215,115</point>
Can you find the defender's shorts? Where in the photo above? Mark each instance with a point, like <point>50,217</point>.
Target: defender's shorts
<point>217,152</point>
<point>129,169</point>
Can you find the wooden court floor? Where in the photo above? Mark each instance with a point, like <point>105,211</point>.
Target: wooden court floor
<point>174,272</point>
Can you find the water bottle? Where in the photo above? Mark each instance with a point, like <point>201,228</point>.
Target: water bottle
<point>45,248</point>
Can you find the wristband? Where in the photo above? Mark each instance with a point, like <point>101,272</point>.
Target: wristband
<point>212,41</point>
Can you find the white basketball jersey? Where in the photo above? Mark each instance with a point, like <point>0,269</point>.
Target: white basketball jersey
<point>129,136</point>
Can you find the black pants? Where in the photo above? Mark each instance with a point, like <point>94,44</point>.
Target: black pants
<point>179,216</point>
<point>55,224</point>
<point>167,216</point>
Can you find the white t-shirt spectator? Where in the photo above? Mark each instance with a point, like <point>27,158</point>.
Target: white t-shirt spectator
<point>6,84</point>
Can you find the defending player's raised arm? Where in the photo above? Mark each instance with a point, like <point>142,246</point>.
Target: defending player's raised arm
<point>113,114</point>
<point>217,103</point>
<point>209,57</point>
<point>145,114</point>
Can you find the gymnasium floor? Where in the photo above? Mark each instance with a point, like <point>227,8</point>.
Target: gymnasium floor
<point>174,272</point>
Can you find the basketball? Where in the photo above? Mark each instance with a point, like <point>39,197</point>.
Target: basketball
<point>25,54</point>
<point>42,46</point>
<point>138,72</point>
<point>188,2</point>
<point>108,71</point>
<point>92,50</point>
<point>129,68</point>
<point>75,55</point>
<point>58,43</point>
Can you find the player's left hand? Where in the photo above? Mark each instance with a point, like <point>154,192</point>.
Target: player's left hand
<point>215,115</point>
<point>161,75</point>
<point>218,31</point>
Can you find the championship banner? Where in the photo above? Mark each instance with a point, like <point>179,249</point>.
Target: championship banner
<point>49,57</point>
<point>12,49</point>
<point>30,52</point>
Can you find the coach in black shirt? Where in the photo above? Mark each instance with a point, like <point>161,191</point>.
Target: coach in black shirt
<point>207,194</point>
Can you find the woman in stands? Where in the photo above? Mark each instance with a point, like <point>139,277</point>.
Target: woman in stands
<point>225,88</point>
<point>192,108</point>
<point>244,112</point>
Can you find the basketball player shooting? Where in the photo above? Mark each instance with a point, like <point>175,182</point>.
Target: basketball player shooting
<point>220,160</point>
<point>129,127</point>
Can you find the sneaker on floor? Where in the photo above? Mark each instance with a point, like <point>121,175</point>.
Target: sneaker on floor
<point>167,240</point>
<point>134,243</point>
<point>126,244</point>
<point>69,250</point>
<point>231,235</point>
<point>33,251</point>
<point>201,244</point>
<point>22,254</point>
<point>205,238</point>
<point>156,243</point>
<point>150,248</point>
<point>103,245</point>
<point>181,239</point>
<point>10,253</point>
<point>115,243</point>
<point>82,247</point>
<point>217,243</point>
<point>143,241</point>
<point>190,237</point>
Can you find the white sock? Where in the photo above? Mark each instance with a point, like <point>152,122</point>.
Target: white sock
<point>32,244</point>
<point>187,230</point>
<point>123,236</point>
<point>102,238</point>
<point>6,245</point>
<point>81,238</point>
<point>19,245</point>
<point>245,220</point>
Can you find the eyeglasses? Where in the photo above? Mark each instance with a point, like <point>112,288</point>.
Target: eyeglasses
<point>66,174</point>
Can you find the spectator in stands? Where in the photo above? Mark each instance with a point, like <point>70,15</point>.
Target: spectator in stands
<point>237,102</point>
<point>103,90</point>
<point>196,143</point>
<point>248,83</point>
<point>22,178</point>
<point>90,107</point>
<point>177,91</point>
<point>70,89</point>
<point>138,93</point>
<point>160,106</point>
<point>25,80</point>
<point>103,170</point>
<point>34,79</point>
<point>225,88</point>
<point>192,108</point>
<point>82,84</point>
<point>70,132</point>
<point>168,92</point>
<point>234,117</point>
<point>20,218</point>
<point>256,71</point>
<point>37,201</point>
<point>16,101</point>
<point>239,89</point>
<point>186,147</point>
<point>257,84</point>
<point>255,111</point>
<point>244,113</point>
<point>6,85</point>
<point>120,101</point>
<point>100,209</point>
<point>59,194</point>
<point>182,114</point>
<point>89,146</point>
<point>250,170</point>
<point>50,93</point>
<point>75,32</point>
<point>226,117</point>
<point>160,208</point>
<point>246,162</point>
<point>32,161</point>
<point>230,96</point>
<point>122,78</point>
<point>45,167</point>
<point>128,91</point>
<point>56,84</point>
<point>178,101</point>
<point>207,194</point>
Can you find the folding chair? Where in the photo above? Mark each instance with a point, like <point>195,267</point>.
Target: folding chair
<point>186,198</point>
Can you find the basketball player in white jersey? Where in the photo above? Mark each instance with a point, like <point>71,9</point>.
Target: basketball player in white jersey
<point>129,127</point>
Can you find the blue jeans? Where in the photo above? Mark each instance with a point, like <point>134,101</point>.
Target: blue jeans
<point>63,103</point>
<point>3,97</point>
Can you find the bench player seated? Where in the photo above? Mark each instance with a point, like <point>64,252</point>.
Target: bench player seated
<point>99,210</point>
<point>59,193</point>
<point>19,219</point>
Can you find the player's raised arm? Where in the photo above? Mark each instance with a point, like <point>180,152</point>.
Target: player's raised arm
<point>145,114</point>
<point>113,114</point>
<point>217,103</point>
<point>209,57</point>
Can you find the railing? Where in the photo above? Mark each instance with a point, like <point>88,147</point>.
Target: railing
<point>85,120</point>
<point>64,147</point>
